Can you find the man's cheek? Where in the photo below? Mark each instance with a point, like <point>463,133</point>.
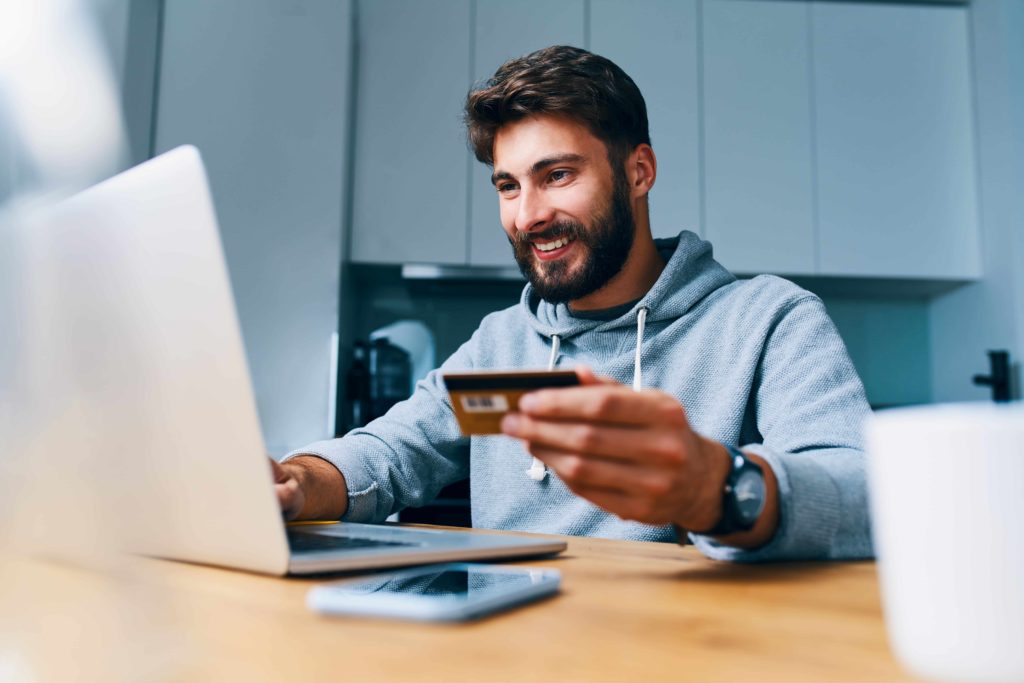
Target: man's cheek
<point>507,217</point>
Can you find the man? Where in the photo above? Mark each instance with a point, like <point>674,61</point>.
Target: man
<point>741,431</point>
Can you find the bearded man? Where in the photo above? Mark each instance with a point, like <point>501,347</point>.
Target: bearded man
<point>711,410</point>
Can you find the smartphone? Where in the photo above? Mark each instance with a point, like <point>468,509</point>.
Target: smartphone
<point>447,592</point>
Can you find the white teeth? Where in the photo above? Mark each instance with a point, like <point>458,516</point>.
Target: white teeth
<point>550,246</point>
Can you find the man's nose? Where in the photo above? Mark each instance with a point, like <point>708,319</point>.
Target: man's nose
<point>533,212</point>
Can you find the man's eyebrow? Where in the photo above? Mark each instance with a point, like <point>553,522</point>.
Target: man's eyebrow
<point>501,175</point>
<point>540,165</point>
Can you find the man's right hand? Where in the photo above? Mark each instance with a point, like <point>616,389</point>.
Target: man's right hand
<point>309,487</point>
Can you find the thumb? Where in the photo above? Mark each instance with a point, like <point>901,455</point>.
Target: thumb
<point>588,378</point>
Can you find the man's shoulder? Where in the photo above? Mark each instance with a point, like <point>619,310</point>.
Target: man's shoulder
<point>503,325</point>
<point>766,293</point>
<point>501,339</point>
<point>756,305</point>
<point>497,320</point>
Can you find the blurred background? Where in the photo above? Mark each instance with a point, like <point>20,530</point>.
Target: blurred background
<point>871,151</point>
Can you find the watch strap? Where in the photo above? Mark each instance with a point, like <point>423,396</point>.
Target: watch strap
<point>730,521</point>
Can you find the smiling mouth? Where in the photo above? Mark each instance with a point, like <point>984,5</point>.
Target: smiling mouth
<point>554,245</point>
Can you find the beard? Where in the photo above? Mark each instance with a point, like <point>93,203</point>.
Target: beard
<point>608,242</point>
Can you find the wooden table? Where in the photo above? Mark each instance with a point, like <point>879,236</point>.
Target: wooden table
<point>628,612</point>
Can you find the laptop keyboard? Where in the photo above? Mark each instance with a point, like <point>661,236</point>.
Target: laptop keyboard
<point>305,542</point>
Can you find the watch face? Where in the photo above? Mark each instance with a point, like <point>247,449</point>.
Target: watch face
<point>749,494</point>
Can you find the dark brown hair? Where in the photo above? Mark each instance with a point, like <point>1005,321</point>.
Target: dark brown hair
<point>560,81</point>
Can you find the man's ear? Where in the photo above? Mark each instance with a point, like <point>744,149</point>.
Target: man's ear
<point>641,169</point>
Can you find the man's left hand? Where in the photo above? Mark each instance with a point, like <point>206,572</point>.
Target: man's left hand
<point>632,453</point>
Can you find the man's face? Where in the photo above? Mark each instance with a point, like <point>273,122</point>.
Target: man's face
<point>567,213</point>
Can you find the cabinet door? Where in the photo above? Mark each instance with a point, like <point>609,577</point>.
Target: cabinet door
<point>757,135</point>
<point>504,30</point>
<point>260,87</point>
<point>895,159</point>
<point>655,42</point>
<point>410,183</point>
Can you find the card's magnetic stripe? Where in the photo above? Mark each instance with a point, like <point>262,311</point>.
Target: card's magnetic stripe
<point>492,382</point>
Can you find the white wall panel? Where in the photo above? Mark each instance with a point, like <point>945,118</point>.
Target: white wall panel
<point>260,87</point>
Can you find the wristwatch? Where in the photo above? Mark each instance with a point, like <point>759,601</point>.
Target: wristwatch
<point>743,497</point>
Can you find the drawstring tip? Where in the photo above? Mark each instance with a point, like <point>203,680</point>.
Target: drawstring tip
<point>537,471</point>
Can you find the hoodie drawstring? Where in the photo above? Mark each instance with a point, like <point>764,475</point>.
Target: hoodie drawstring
<point>556,342</point>
<point>641,320</point>
<point>538,470</point>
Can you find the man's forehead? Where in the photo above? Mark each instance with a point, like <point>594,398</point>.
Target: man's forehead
<point>521,145</point>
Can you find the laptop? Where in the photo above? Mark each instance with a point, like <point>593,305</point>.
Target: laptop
<point>133,274</point>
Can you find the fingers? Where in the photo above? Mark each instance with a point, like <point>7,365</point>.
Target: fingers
<point>628,492</point>
<point>289,498</point>
<point>609,403</point>
<point>584,473</point>
<point>625,506</point>
<point>289,494</point>
<point>613,442</point>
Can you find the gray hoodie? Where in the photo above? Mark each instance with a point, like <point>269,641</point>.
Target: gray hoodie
<point>756,364</point>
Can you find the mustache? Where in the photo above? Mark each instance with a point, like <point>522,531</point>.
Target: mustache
<point>570,229</point>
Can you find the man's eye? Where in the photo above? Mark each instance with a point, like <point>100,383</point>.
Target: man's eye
<point>559,175</point>
<point>505,188</point>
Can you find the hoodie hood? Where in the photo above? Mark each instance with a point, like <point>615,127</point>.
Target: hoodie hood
<point>690,274</point>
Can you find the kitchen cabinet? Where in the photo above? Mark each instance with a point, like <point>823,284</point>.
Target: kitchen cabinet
<point>758,174</point>
<point>261,88</point>
<point>894,137</point>
<point>656,43</point>
<point>410,184</point>
<point>503,30</point>
<point>801,138</point>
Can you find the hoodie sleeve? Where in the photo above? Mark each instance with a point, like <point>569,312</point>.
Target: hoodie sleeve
<point>405,457</point>
<point>810,407</point>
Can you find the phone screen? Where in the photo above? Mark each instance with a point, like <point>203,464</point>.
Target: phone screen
<point>459,584</point>
<point>439,593</point>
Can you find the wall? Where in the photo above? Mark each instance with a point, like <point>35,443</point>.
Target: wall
<point>130,30</point>
<point>989,314</point>
<point>128,34</point>
<point>888,342</point>
<point>261,88</point>
<point>7,167</point>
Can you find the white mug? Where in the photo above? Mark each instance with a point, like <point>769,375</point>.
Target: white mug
<point>947,503</point>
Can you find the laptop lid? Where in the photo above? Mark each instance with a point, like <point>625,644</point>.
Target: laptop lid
<point>141,325</point>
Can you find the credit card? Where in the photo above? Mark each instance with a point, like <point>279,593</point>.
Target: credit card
<point>481,399</point>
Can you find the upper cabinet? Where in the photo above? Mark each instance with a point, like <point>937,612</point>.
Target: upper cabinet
<point>504,30</point>
<point>802,138</point>
<point>411,170</point>
<point>758,175</point>
<point>895,146</point>
<point>655,42</point>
